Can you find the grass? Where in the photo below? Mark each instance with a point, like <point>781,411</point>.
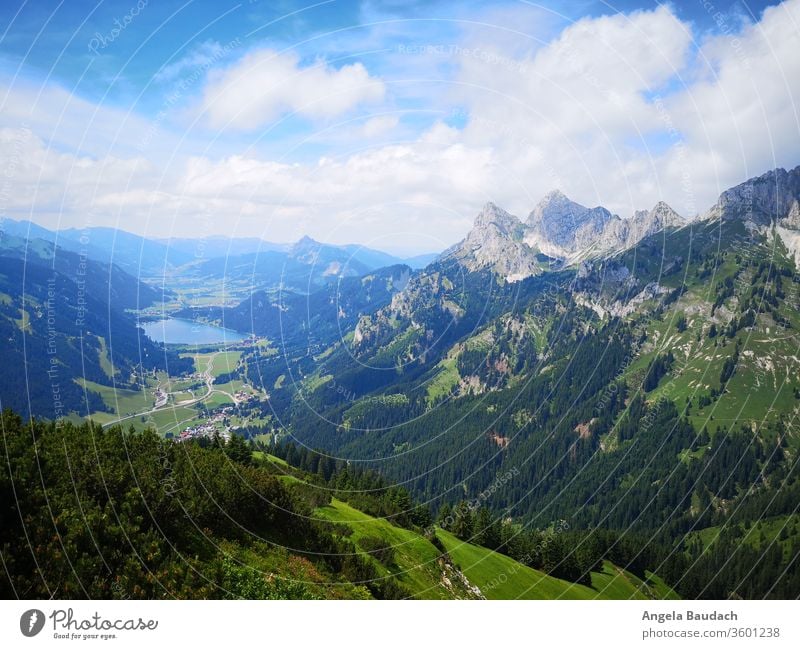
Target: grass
<point>316,381</point>
<point>216,400</point>
<point>270,560</point>
<point>757,535</point>
<point>222,362</point>
<point>419,568</point>
<point>416,565</point>
<point>500,577</point>
<point>170,420</point>
<point>445,379</point>
<point>105,357</point>
<point>121,401</point>
<point>261,455</point>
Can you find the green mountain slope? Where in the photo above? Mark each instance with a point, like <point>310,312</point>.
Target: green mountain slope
<point>652,391</point>
<point>65,319</point>
<point>87,512</point>
<point>500,577</point>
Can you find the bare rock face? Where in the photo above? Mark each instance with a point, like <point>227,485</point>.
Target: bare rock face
<point>562,228</point>
<point>792,219</point>
<point>760,201</point>
<point>788,229</point>
<point>557,228</point>
<point>496,242</point>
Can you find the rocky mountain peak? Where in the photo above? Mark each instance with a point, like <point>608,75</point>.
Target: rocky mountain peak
<point>647,222</point>
<point>760,201</point>
<point>304,243</point>
<point>556,207</point>
<point>306,250</point>
<point>495,242</point>
<point>562,228</point>
<point>492,215</point>
<point>663,216</point>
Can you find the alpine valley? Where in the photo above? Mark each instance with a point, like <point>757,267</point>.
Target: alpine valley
<point>566,404</point>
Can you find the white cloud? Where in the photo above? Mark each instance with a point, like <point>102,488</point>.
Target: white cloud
<point>625,110</point>
<point>567,114</point>
<point>621,111</point>
<point>379,125</point>
<point>67,121</point>
<point>744,118</point>
<point>265,84</point>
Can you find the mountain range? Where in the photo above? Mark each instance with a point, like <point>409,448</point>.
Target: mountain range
<point>638,375</point>
<point>558,231</point>
<point>152,259</point>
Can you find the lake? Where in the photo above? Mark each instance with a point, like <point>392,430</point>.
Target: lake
<point>176,331</point>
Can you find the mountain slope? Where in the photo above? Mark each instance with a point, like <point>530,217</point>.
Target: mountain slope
<point>557,232</point>
<point>217,521</point>
<point>650,388</point>
<point>64,318</point>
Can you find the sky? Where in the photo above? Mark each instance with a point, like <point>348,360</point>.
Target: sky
<point>385,123</point>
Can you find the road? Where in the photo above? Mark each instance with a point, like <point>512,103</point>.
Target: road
<point>208,378</point>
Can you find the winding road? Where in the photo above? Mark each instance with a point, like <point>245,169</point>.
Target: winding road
<point>210,389</point>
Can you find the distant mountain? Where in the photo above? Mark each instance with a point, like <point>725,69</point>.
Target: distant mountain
<point>64,318</point>
<point>315,319</point>
<point>420,261</point>
<point>558,231</point>
<point>218,246</point>
<point>250,262</point>
<point>102,280</point>
<point>136,255</point>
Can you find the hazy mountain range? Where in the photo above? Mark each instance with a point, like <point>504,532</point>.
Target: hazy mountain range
<point>636,374</point>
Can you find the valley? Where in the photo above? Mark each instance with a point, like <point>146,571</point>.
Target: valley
<point>574,405</point>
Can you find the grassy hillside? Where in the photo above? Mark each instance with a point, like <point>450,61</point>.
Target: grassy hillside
<point>500,577</point>
<point>471,571</point>
<point>416,562</point>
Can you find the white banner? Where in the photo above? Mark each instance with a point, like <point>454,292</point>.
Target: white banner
<point>334,624</point>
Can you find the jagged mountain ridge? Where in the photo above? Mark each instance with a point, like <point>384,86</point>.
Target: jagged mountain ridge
<point>558,231</point>
<point>761,203</point>
<point>562,232</point>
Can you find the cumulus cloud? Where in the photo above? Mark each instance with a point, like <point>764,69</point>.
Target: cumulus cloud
<point>265,84</point>
<point>380,125</point>
<point>743,117</point>
<point>625,110</point>
<point>621,110</point>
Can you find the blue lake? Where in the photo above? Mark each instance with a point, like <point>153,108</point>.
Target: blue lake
<point>176,331</point>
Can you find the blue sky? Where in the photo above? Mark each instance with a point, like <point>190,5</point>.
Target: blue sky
<point>387,123</point>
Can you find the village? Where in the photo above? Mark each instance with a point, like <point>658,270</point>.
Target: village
<point>217,423</point>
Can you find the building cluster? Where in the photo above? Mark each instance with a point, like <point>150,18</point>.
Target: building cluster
<point>214,425</point>
<point>242,397</point>
<point>161,397</point>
